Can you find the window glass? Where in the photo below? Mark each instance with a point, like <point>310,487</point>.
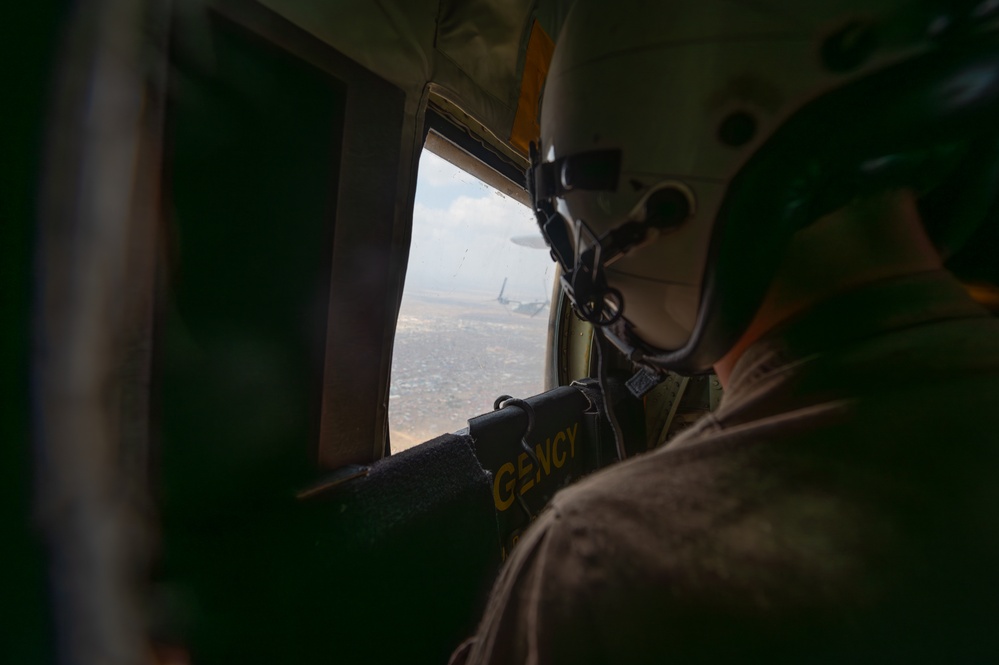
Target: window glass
<point>474,318</point>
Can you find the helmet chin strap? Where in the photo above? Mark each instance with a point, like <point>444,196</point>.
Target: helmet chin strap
<point>583,257</point>
<point>594,300</point>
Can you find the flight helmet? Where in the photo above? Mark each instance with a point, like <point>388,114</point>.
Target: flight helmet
<point>684,142</point>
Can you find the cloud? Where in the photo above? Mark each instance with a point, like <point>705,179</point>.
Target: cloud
<point>465,246</point>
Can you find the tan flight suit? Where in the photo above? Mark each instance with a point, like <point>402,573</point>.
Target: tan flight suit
<point>840,506</point>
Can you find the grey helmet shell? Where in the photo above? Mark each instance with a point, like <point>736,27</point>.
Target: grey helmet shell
<point>689,92</point>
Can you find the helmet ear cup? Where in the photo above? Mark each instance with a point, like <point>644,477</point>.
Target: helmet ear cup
<point>668,208</point>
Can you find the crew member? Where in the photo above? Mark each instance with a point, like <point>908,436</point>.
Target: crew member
<point>769,189</point>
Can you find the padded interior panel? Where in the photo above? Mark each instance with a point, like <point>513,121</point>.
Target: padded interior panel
<point>390,568</point>
<point>416,547</point>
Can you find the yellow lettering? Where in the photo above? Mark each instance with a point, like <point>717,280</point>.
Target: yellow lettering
<point>572,439</point>
<point>502,503</point>
<point>559,461</point>
<point>549,455</point>
<point>525,471</point>
<point>544,459</point>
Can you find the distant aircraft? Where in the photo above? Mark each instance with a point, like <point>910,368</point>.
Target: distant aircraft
<point>531,309</point>
<point>534,241</point>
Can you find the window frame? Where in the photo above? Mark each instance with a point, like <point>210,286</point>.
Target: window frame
<point>447,138</point>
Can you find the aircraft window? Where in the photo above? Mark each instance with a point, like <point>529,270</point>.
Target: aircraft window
<point>474,318</point>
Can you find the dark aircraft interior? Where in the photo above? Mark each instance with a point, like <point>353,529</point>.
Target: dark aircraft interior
<point>207,211</point>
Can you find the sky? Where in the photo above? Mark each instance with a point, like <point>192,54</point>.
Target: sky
<point>461,238</point>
